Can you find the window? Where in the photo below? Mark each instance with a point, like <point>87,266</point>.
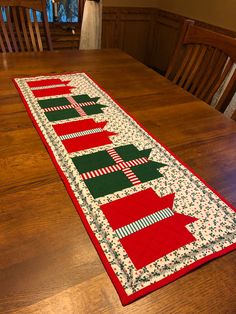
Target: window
<point>57,11</point>
<point>62,10</point>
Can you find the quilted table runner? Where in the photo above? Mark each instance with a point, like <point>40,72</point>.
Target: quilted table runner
<point>150,217</point>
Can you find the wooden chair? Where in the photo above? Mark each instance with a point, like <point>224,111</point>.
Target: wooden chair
<point>19,33</point>
<point>201,62</point>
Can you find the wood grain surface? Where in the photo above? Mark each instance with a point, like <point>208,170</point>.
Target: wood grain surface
<point>47,261</point>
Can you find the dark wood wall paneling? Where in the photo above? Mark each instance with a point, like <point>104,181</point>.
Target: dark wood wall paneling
<point>130,29</point>
<point>147,34</point>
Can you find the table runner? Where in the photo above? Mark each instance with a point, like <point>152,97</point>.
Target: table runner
<point>150,217</point>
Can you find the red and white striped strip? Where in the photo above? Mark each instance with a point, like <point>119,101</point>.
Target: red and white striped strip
<point>76,106</point>
<point>114,155</point>
<point>73,105</point>
<point>131,176</point>
<point>125,165</point>
<point>81,112</point>
<point>88,103</point>
<point>83,104</point>
<point>57,108</point>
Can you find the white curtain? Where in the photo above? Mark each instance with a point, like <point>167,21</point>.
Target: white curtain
<point>232,105</point>
<point>91,30</point>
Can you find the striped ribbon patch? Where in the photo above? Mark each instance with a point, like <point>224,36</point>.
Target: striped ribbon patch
<point>58,108</point>
<point>143,222</point>
<point>48,86</point>
<point>75,103</point>
<point>120,166</point>
<point>127,171</point>
<point>88,103</point>
<point>71,106</point>
<point>76,106</point>
<point>131,176</point>
<point>114,155</point>
<point>82,133</point>
<point>81,112</point>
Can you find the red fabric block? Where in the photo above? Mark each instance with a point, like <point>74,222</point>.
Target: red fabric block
<point>131,208</point>
<point>78,126</point>
<point>47,82</point>
<point>85,141</point>
<point>157,240</point>
<point>152,242</point>
<point>50,91</point>
<point>88,141</point>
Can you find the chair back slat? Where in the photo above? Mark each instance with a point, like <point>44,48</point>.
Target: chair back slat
<point>36,26</point>
<point>17,28</point>
<point>209,68</point>
<point>46,26</point>
<point>208,78</point>
<point>190,64</point>
<point>215,77</point>
<point>20,30</point>
<point>174,59</point>
<point>201,71</point>
<point>202,60</point>
<point>2,44</point>
<point>33,42</point>
<point>220,80</point>
<point>24,29</point>
<point>184,63</point>
<point>10,28</point>
<point>5,33</point>
<point>199,58</point>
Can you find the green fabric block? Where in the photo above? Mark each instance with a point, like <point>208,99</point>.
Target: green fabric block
<point>94,109</point>
<point>93,161</point>
<point>130,152</point>
<point>62,114</point>
<point>148,171</point>
<point>54,102</point>
<point>108,183</point>
<point>84,98</point>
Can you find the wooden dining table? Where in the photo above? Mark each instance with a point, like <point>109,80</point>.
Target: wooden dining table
<point>47,261</point>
